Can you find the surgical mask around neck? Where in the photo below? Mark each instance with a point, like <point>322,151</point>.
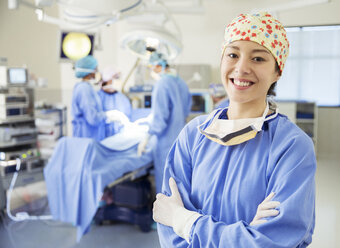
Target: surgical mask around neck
<point>156,76</point>
<point>92,81</point>
<point>110,88</point>
<point>95,79</point>
<point>233,132</point>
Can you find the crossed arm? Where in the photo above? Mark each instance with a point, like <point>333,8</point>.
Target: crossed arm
<point>170,211</point>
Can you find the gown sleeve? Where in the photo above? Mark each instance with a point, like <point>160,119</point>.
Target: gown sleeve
<point>126,106</point>
<point>291,170</point>
<point>160,108</point>
<point>89,105</point>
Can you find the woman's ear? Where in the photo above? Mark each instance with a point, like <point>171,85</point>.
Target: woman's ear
<point>278,76</point>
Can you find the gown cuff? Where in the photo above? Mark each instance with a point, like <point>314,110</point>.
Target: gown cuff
<point>183,222</point>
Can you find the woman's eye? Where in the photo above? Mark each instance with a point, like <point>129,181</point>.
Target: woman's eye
<point>258,59</point>
<point>232,55</point>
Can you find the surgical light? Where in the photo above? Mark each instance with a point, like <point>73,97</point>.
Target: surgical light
<point>76,45</point>
<point>152,42</point>
<point>138,41</point>
<point>81,14</point>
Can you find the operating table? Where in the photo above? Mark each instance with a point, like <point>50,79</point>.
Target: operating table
<point>80,169</point>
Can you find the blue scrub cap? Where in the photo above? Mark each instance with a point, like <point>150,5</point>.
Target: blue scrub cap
<point>85,66</point>
<point>158,59</point>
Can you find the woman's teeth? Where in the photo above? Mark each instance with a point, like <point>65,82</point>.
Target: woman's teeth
<point>241,83</point>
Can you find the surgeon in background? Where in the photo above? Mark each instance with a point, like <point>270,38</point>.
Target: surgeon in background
<point>170,106</point>
<point>112,99</point>
<point>87,111</point>
<point>218,96</point>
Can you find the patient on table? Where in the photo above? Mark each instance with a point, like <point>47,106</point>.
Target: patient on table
<point>80,168</point>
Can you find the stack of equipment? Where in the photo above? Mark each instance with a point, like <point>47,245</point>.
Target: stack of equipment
<point>131,203</point>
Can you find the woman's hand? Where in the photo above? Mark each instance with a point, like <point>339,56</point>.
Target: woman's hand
<point>164,207</point>
<point>170,211</point>
<point>265,209</point>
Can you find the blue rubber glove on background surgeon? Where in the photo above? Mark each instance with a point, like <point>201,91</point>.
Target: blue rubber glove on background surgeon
<point>170,211</point>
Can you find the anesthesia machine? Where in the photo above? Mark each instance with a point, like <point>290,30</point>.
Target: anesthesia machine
<point>18,134</point>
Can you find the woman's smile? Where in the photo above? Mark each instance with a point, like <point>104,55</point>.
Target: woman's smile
<point>241,84</point>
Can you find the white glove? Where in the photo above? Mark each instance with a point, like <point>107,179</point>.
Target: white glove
<point>116,116</point>
<point>170,211</point>
<point>142,145</point>
<point>265,209</point>
<point>144,120</point>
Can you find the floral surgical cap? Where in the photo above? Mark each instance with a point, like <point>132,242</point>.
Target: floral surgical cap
<point>263,29</point>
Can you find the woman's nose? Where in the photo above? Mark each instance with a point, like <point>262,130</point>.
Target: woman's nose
<point>242,66</point>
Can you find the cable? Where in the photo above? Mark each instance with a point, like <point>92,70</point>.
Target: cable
<point>132,6</point>
<point>21,215</point>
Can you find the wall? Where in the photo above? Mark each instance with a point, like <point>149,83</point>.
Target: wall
<point>26,41</point>
<point>328,131</point>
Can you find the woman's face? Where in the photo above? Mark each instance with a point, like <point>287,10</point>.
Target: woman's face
<point>247,71</point>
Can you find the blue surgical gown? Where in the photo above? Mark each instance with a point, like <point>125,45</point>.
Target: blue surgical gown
<point>113,101</point>
<point>171,104</point>
<point>226,184</point>
<point>87,111</point>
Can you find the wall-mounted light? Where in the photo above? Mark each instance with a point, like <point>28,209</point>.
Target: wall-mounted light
<point>75,45</point>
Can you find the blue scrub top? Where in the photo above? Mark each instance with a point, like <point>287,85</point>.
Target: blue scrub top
<point>170,106</point>
<point>114,101</point>
<point>227,183</point>
<point>87,112</point>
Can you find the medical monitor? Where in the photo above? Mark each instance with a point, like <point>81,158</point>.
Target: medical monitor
<point>75,45</point>
<point>198,103</point>
<point>17,76</point>
<point>201,101</point>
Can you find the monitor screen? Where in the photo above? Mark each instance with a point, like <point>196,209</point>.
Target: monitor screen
<point>198,103</point>
<point>75,45</point>
<point>147,101</point>
<point>17,76</point>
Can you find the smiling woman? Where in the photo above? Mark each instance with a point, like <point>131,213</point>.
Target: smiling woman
<point>244,175</point>
<point>247,71</point>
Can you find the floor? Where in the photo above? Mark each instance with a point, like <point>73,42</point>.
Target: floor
<point>33,234</point>
<point>51,234</point>
<point>327,227</point>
